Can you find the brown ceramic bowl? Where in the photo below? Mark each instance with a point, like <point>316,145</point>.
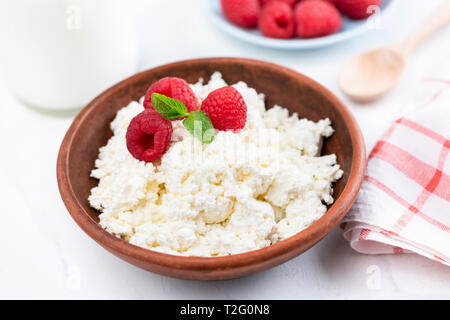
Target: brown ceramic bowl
<point>90,130</point>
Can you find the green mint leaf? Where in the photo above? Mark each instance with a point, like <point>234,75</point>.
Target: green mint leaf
<point>199,124</point>
<point>168,108</point>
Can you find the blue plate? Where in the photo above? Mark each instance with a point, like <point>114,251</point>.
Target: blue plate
<point>350,29</point>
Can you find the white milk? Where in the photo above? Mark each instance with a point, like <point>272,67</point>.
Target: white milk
<point>59,54</point>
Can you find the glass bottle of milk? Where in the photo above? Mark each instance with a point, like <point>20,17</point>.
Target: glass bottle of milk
<point>60,54</point>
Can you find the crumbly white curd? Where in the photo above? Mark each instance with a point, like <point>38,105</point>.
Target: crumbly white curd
<point>242,192</point>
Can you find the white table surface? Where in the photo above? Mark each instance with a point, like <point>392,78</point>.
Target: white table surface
<point>45,255</point>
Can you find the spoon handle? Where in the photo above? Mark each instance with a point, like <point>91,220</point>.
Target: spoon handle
<point>436,20</point>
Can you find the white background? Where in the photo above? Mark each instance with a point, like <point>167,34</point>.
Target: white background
<point>43,253</point>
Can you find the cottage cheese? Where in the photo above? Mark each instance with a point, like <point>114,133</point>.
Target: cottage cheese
<point>242,192</point>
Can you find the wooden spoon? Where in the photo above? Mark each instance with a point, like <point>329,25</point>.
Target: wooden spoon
<point>370,75</point>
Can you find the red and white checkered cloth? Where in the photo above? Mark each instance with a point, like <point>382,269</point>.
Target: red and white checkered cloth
<point>404,202</point>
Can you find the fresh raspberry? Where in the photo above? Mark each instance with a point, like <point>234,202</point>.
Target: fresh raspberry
<point>289,2</point>
<point>226,109</point>
<point>175,88</point>
<point>316,18</point>
<point>277,20</point>
<point>148,136</point>
<point>243,13</point>
<point>333,2</point>
<point>330,1</point>
<point>357,9</point>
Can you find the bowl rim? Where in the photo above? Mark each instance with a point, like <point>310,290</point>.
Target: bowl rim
<point>316,231</point>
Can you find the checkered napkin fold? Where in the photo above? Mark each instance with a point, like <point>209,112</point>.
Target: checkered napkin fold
<point>404,202</point>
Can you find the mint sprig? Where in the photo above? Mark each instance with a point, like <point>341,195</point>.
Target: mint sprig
<point>201,127</point>
<point>169,108</point>
<point>196,122</point>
